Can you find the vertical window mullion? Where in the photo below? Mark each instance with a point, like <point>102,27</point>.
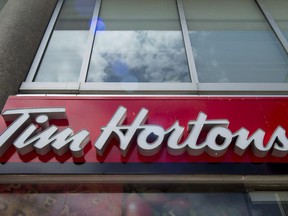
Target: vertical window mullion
<point>2,4</point>
<point>187,43</point>
<point>89,47</point>
<point>273,24</point>
<point>44,42</point>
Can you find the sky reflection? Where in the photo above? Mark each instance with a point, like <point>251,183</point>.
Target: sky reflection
<point>63,57</point>
<point>239,57</point>
<point>138,56</point>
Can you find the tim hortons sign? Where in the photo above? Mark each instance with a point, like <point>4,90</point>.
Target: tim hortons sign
<point>180,126</point>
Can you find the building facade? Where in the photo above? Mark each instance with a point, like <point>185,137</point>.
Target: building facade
<point>130,107</point>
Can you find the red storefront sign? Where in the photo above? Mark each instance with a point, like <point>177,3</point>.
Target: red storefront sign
<point>144,129</point>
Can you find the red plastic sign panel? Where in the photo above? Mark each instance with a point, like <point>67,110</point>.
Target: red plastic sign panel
<point>144,129</point>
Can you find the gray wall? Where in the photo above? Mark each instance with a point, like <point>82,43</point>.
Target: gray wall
<point>22,25</point>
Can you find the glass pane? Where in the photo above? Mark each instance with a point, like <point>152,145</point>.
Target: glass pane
<point>63,57</point>
<point>137,199</point>
<point>233,43</point>
<point>61,199</point>
<point>138,41</point>
<point>183,200</point>
<point>268,203</point>
<point>279,10</point>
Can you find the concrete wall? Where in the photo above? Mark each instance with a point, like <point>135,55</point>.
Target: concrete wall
<point>22,25</point>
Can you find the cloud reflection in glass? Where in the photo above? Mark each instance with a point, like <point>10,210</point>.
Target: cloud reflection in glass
<point>142,56</point>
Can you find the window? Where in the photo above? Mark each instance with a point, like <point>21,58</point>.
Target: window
<point>278,9</point>
<point>64,54</point>
<point>133,45</point>
<point>138,199</point>
<point>165,46</point>
<point>232,42</point>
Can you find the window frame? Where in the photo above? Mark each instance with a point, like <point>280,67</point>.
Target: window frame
<point>193,87</point>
